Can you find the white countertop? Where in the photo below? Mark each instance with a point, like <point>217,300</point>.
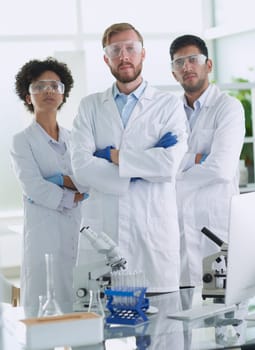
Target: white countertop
<point>160,333</point>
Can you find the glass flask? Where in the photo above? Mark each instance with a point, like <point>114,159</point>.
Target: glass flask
<point>95,303</point>
<point>50,307</point>
<point>42,299</point>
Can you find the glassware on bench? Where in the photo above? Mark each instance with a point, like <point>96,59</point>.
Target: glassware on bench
<point>95,303</point>
<point>50,307</point>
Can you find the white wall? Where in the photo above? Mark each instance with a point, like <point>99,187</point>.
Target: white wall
<point>72,30</point>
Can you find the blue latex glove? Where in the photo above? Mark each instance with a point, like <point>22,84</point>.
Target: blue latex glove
<point>57,179</point>
<point>85,196</point>
<point>134,179</point>
<point>104,153</point>
<point>167,140</point>
<point>203,158</point>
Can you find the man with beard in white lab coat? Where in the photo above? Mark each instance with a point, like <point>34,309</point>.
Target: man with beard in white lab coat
<point>209,174</point>
<point>127,145</point>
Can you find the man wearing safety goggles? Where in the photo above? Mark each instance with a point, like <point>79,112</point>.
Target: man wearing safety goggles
<point>127,144</point>
<point>209,172</point>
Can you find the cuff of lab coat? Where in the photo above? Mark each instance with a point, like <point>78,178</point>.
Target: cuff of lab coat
<point>188,161</point>
<point>67,200</point>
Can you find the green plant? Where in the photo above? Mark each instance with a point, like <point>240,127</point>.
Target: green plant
<point>244,96</point>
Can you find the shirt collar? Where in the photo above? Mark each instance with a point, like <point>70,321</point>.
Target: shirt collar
<point>200,101</point>
<point>136,93</point>
<point>47,137</point>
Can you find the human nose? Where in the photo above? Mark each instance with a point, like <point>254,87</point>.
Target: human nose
<point>186,65</point>
<point>123,54</point>
<point>48,89</point>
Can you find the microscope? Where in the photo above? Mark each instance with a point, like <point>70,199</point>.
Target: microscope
<point>215,269</point>
<point>95,274</point>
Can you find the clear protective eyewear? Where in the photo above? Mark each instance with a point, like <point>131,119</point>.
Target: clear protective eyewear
<point>195,60</point>
<point>40,86</point>
<point>130,47</point>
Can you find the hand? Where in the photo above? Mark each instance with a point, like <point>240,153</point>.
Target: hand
<point>79,197</point>
<point>57,179</point>
<point>167,140</point>
<point>104,153</point>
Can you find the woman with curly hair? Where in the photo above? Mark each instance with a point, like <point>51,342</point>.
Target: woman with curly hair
<point>52,198</point>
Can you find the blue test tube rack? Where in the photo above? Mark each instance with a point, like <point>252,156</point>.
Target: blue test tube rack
<point>122,311</point>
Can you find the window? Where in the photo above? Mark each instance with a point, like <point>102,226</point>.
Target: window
<point>232,33</point>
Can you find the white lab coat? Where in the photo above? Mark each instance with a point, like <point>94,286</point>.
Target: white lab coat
<point>140,216</point>
<point>204,190</point>
<point>46,229</point>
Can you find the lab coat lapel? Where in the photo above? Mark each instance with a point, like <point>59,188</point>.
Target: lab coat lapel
<point>209,103</point>
<point>110,109</point>
<point>42,151</point>
<point>140,105</point>
<point>35,137</point>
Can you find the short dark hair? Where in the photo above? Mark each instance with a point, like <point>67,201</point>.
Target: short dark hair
<point>31,70</point>
<point>187,40</point>
<point>118,28</point>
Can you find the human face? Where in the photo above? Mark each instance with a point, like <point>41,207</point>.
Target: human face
<point>193,74</point>
<point>50,96</point>
<point>126,67</point>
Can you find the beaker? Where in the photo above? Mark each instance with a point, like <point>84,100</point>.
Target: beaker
<point>50,307</point>
<point>95,303</point>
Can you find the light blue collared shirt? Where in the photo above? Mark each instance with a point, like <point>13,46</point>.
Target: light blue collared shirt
<point>126,103</point>
<point>59,146</point>
<point>192,114</point>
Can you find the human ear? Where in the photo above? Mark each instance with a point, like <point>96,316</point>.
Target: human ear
<point>106,59</point>
<point>143,54</point>
<point>28,99</point>
<point>175,76</point>
<point>209,65</point>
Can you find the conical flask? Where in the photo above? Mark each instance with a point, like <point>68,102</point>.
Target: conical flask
<point>51,307</point>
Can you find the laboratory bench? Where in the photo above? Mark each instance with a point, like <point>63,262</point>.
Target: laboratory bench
<point>226,330</point>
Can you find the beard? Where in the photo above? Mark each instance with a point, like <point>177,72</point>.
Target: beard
<point>194,88</point>
<point>127,78</point>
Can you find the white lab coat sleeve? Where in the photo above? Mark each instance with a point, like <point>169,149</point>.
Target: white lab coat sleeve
<point>222,161</point>
<point>80,188</point>
<point>94,172</point>
<point>34,187</point>
<point>157,164</point>
<point>188,161</point>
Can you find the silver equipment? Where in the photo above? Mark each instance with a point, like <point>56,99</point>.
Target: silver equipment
<point>89,275</point>
<point>215,269</point>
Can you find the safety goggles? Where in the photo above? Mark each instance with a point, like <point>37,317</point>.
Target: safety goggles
<point>40,86</point>
<point>128,47</point>
<point>195,60</point>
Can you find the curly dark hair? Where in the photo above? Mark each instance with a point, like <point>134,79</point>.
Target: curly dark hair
<point>31,70</point>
